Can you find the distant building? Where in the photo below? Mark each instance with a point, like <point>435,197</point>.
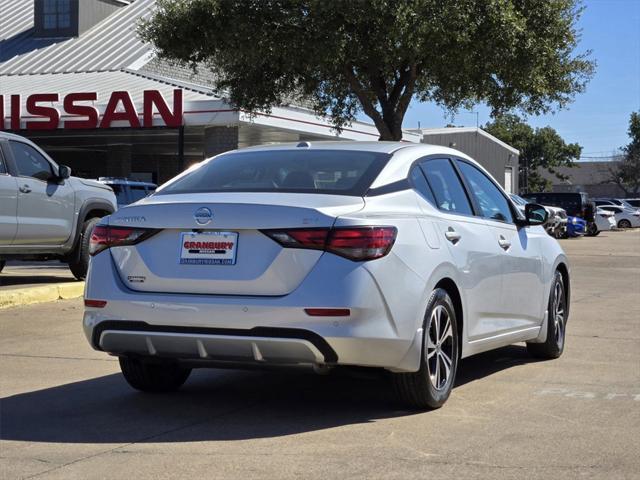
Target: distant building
<point>590,177</point>
<point>76,79</point>
<point>499,158</point>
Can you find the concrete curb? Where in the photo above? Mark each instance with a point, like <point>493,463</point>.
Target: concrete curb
<point>45,293</point>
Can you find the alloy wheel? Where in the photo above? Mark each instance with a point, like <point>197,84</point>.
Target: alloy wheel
<point>624,224</point>
<point>439,347</point>
<point>559,313</point>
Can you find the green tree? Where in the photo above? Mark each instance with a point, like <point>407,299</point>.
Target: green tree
<point>626,173</point>
<point>540,149</point>
<point>376,56</point>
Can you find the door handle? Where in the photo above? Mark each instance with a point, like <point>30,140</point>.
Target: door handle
<point>453,236</point>
<point>504,243</point>
<point>25,188</point>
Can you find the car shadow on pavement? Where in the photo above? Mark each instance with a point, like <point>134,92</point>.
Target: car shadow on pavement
<point>217,405</point>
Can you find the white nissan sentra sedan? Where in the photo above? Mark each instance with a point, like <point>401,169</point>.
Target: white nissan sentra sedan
<point>407,257</point>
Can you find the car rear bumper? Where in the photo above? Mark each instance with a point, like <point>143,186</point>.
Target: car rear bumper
<point>257,330</point>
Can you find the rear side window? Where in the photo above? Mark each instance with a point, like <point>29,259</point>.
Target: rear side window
<point>29,162</point>
<point>420,184</point>
<point>336,172</point>
<point>489,198</point>
<point>446,187</point>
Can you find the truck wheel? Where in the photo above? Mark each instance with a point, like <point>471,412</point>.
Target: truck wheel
<point>2,262</point>
<point>152,377</point>
<point>79,261</point>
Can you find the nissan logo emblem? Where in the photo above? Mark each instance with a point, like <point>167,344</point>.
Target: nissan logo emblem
<point>203,216</point>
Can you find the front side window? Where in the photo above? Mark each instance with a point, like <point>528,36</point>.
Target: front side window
<point>29,162</point>
<point>337,172</point>
<point>493,204</point>
<point>3,169</point>
<point>446,187</point>
<point>57,14</point>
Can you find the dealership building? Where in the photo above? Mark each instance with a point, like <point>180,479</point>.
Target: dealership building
<point>77,80</point>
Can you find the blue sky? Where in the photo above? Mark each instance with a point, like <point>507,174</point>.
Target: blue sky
<point>599,118</point>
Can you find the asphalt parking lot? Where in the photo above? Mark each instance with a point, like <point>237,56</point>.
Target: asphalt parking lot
<point>67,413</point>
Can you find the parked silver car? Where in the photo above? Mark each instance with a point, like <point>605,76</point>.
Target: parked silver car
<point>407,257</point>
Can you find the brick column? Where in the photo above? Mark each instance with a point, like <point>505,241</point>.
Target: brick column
<point>219,140</point>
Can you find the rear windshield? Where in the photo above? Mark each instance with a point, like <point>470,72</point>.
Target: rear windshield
<point>336,172</point>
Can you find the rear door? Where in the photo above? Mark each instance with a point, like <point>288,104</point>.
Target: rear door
<point>45,207</point>
<point>471,245</point>
<point>8,204</point>
<point>522,300</point>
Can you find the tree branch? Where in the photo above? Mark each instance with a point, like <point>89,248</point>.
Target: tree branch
<point>367,106</point>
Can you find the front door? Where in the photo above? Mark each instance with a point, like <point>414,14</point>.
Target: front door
<point>522,303</point>
<point>8,205</point>
<point>45,206</point>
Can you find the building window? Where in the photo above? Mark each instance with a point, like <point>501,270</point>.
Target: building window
<point>57,14</point>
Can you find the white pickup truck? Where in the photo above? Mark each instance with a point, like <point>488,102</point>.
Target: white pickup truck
<point>45,213</point>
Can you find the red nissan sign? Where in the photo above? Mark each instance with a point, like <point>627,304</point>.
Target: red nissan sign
<point>77,114</point>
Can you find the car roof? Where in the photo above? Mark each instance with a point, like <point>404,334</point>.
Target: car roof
<point>380,147</point>
<point>124,181</point>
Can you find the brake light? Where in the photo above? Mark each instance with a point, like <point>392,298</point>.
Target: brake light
<point>104,236</point>
<point>354,243</point>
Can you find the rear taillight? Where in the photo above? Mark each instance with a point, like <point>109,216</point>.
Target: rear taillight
<point>104,237</point>
<point>354,243</point>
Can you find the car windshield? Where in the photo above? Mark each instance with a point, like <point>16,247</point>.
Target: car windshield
<point>338,172</point>
<point>121,194</point>
<point>518,200</point>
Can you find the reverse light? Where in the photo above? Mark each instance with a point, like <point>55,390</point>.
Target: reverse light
<point>104,236</point>
<point>354,243</point>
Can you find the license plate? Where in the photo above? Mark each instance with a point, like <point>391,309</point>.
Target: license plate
<point>208,248</point>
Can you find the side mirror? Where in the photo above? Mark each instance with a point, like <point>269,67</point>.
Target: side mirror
<point>64,172</point>
<point>535,214</point>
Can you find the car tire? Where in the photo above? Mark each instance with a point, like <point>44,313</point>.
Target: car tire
<point>153,377</point>
<point>556,324</point>
<point>624,223</point>
<point>426,389</point>
<point>2,264</point>
<point>592,230</point>
<point>79,261</point>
